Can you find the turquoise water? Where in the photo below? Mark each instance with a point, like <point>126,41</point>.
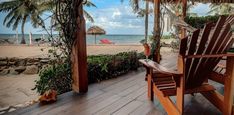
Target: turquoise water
<point>90,39</point>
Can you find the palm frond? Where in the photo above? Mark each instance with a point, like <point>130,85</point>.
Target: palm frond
<point>90,4</point>
<point>8,5</point>
<point>88,16</point>
<point>135,5</point>
<point>16,23</point>
<point>13,18</point>
<point>9,15</point>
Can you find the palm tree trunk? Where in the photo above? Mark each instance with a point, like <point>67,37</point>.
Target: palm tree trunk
<point>156,33</point>
<point>95,39</point>
<point>22,30</point>
<point>146,20</point>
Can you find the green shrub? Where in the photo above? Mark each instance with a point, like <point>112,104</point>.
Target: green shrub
<point>100,67</point>
<point>56,77</point>
<point>166,37</point>
<point>231,50</point>
<point>199,22</point>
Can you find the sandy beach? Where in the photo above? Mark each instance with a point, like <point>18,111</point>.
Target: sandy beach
<point>24,51</point>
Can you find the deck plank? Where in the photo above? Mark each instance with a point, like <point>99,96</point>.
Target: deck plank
<point>93,109</point>
<point>128,108</point>
<point>122,102</point>
<point>145,109</point>
<point>78,105</point>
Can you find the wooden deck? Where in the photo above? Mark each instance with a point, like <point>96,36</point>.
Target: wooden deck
<point>120,96</point>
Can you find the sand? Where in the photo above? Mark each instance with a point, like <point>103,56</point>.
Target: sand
<point>24,51</point>
<point>16,89</point>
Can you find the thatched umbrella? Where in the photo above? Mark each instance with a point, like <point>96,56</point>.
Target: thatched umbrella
<point>95,30</point>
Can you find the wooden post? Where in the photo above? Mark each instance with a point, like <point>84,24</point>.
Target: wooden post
<point>156,33</point>
<point>228,87</point>
<point>150,85</point>
<point>184,2</point>
<point>79,57</point>
<point>180,85</point>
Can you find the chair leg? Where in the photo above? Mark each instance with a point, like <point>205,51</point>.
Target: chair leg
<point>228,87</point>
<point>150,86</point>
<point>180,95</point>
<point>147,73</point>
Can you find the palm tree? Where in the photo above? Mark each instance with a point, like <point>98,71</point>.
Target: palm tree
<point>145,13</point>
<point>86,14</point>
<point>141,13</point>
<point>177,9</point>
<point>21,11</point>
<point>221,9</point>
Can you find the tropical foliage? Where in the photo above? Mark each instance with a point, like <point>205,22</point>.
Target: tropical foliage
<point>56,77</point>
<point>199,22</point>
<point>21,11</point>
<point>100,67</point>
<point>221,9</point>
<point>86,14</point>
<point>178,9</point>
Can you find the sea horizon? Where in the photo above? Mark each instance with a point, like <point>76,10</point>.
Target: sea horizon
<point>90,39</point>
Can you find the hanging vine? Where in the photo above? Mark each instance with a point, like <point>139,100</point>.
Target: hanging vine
<point>68,21</point>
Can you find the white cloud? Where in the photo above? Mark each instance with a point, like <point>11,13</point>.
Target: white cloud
<point>118,20</point>
<point>116,14</point>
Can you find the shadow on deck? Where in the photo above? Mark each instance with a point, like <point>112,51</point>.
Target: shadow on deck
<point>120,96</point>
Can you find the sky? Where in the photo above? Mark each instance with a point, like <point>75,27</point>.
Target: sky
<point>112,15</point>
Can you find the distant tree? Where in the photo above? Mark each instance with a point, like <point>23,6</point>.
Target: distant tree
<point>21,11</point>
<point>178,9</point>
<point>221,9</point>
<point>86,14</point>
<point>144,12</point>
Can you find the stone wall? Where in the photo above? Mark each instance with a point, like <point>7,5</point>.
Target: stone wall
<point>22,65</point>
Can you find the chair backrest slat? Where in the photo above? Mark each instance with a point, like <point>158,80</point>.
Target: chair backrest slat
<point>183,46</point>
<point>212,41</point>
<point>225,45</point>
<point>219,48</point>
<point>230,20</point>
<point>191,50</point>
<point>215,35</point>
<point>223,39</point>
<point>201,47</point>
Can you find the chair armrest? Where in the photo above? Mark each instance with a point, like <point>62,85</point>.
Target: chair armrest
<point>210,55</point>
<point>159,68</point>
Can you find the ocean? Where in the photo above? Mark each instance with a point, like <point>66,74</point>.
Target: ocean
<point>90,39</point>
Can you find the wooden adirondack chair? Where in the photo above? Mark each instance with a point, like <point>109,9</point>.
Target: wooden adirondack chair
<point>198,56</point>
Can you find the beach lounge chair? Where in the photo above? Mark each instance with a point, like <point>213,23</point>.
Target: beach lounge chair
<point>198,57</point>
<point>105,41</point>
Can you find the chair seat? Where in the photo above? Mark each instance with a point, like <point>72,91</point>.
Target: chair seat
<point>164,83</point>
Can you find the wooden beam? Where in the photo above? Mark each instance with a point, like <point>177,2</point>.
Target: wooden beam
<point>210,55</point>
<point>166,102</point>
<point>203,88</point>
<point>220,78</point>
<point>228,87</point>
<point>79,57</point>
<point>157,32</point>
<point>215,98</point>
<point>180,86</point>
<point>150,86</point>
<point>184,2</point>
